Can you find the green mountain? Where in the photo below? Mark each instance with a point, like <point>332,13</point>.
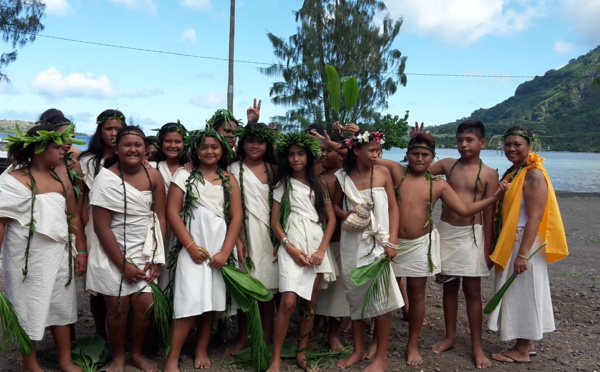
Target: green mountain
<point>562,107</point>
<point>8,126</point>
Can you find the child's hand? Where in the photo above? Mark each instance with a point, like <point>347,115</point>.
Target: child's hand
<point>502,187</point>
<point>299,257</point>
<point>81,264</point>
<point>218,260</point>
<point>132,275</point>
<point>317,257</point>
<point>390,252</point>
<point>155,271</point>
<point>196,254</point>
<point>241,250</point>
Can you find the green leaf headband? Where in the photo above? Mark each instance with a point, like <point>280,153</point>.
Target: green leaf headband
<point>195,140</point>
<point>222,115</point>
<point>521,133</point>
<point>422,147</point>
<point>43,137</point>
<point>180,129</point>
<point>263,134</point>
<point>301,139</point>
<point>105,119</point>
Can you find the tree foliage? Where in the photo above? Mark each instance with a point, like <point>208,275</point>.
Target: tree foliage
<point>562,107</point>
<point>20,22</point>
<point>344,34</point>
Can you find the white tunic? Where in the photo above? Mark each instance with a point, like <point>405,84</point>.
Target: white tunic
<point>200,288</point>
<point>42,299</point>
<point>359,249</point>
<point>332,300</point>
<point>305,232</point>
<point>525,311</point>
<point>143,244</point>
<point>460,254</point>
<point>258,227</point>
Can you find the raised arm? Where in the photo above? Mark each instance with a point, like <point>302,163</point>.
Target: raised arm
<point>451,199</point>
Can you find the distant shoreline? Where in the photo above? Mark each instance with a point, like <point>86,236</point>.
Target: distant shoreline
<point>574,194</point>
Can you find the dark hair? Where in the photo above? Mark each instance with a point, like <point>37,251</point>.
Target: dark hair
<point>53,117</point>
<point>222,163</point>
<point>217,124</point>
<point>169,128</point>
<point>96,145</point>
<point>317,128</point>
<point>422,139</point>
<point>477,127</point>
<point>19,156</point>
<point>269,155</point>
<point>128,129</point>
<point>316,184</point>
<point>350,158</point>
<point>520,128</point>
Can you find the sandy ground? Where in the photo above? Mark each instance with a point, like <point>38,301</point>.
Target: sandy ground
<point>575,284</point>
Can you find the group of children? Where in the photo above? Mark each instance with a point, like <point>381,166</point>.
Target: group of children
<point>299,212</point>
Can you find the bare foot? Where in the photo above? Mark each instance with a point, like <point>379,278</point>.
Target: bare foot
<point>69,367</point>
<point>445,344</point>
<point>413,358</point>
<point>481,361</point>
<point>144,363</point>
<point>371,350</point>
<point>351,360</point>
<point>302,362</point>
<point>275,365</point>
<point>116,365</point>
<point>172,365</point>
<point>201,361</point>
<point>511,356</point>
<point>377,365</point>
<point>240,345</point>
<point>335,344</point>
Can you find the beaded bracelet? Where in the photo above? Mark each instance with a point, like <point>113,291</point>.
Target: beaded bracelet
<point>523,257</point>
<point>82,253</point>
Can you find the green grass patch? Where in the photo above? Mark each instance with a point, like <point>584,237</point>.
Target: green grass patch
<point>573,274</point>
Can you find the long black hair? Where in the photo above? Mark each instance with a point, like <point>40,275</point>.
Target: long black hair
<point>170,128</point>
<point>316,184</point>
<point>268,157</point>
<point>96,146</point>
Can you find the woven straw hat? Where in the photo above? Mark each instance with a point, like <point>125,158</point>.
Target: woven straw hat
<point>359,219</point>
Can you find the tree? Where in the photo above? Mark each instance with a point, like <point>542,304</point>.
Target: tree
<point>20,21</point>
<point>344,34</point>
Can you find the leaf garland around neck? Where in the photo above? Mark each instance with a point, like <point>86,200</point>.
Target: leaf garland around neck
<point>75,176</point>
<point>31,225</point>
<point>498,214</point>
<point>285,206</point>
<point>429,218</point>
<point>69,225</point>
<point>478,182</point>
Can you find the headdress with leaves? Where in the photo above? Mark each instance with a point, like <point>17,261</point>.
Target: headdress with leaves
<point>178,127</point>
<point>264,134</point>
<point>195,140</point>
<point>43,138</point>
<point>535,144</point>
<point>222,115</point>
<point>299,139</point>
<point>364,137</point>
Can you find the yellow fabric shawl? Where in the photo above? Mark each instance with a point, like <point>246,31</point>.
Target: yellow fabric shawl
<point>551,228</point>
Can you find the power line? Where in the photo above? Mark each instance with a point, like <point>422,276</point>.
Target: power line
<point>256,62</point>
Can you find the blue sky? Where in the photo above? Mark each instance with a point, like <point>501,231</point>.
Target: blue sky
<point>515,39</point>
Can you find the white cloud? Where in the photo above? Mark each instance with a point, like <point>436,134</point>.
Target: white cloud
<point>563,46</point>
<point>59,8</point>
<point>463,22</point>
<point>197,4</point>
<point>209,100</point>
<point>54,84</point>
<point>139,4</point>
<point>584,14</point>
<point>189,35</point>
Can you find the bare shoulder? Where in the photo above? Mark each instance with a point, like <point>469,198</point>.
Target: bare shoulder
<point>382,170</point>
<point>444,165</point>
<point>534,175</point>
<point>488,172</point>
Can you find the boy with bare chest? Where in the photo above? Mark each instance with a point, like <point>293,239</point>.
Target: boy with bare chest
<point>417,191</point>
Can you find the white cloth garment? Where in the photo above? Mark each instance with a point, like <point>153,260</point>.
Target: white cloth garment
<point>166,174</point>
<point>525,311</point>
<point>358,249</point>
<point>413,261</point>
<point>332,301</point>
<point>92,242</point>
<point>305,233</point>
<point>200,288</point>
<point>460,254</point>
<point>42,299</point>
<point>142,230</point>
<point>258,226</point>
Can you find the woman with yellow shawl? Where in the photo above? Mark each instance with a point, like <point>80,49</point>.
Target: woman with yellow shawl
<point>526,217</point>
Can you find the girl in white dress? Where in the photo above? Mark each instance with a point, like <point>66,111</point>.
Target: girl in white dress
<point>301,208</point>
<point>38,206</point>
<point>205,215</point>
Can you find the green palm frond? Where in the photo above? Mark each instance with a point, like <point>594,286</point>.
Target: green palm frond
<point>11,329</point>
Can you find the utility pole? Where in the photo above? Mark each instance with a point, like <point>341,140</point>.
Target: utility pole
<point>231,56</point>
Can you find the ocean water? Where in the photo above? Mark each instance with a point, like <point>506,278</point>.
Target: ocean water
<point>569,171</point>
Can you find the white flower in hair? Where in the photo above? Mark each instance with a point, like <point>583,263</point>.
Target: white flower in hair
<point>365,137</point>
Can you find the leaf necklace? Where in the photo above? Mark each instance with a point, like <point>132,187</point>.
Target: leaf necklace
<point>69,225</point>
<point>498,214</point>
<point>31,225</point>
<point>476,188</point>
<point>429,218</point>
